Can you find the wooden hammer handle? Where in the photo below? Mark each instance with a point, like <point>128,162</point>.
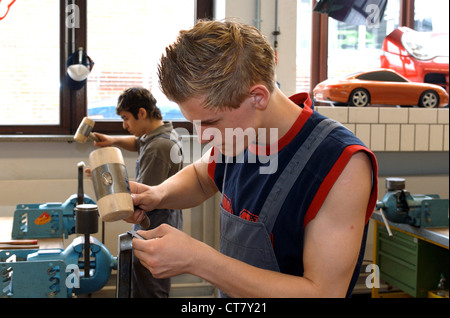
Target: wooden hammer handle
<point>145,224</point>
<point>93,137</point>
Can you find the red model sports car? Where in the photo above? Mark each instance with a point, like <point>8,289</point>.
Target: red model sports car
<point>419,56</point>
<point>381,86</point>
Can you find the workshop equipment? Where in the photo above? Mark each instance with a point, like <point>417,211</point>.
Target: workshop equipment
<point>124,266</point>
<point>86,222</point>
<point>80,199</point>
<point>47,220</point>
<point>420,210</point>
<point>84,131</point>
<point>111,186</point>
<point>83,267</point>
<point>18,244</point>
<point>410,259</point>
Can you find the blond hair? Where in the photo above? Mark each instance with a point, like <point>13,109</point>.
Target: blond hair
<point>218,60</point>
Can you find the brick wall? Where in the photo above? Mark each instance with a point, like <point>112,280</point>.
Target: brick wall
<point>395,129</point>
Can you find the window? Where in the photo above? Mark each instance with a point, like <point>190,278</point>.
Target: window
<point>124,39</point>
<point>128,56</point>
<point>29,63</point>
<point>431,16</point>
<point>353,48</point>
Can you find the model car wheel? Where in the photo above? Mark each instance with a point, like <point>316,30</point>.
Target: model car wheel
<point>359,98</point>
<point>429,99</point>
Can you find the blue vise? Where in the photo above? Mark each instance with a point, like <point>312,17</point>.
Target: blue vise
<point>48,220</point>
<point>55,273</point>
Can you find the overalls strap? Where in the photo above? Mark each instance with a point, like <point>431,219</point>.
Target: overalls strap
<point>290,174</point>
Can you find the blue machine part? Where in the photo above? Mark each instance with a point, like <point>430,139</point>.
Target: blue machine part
<point>48,220</point>
<point>54,273</point>
<point>420,210</point>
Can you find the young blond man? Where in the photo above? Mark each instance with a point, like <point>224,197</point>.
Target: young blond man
<point>298,231</point>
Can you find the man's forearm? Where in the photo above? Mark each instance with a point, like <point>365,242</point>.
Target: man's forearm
<point>125,142</point>
<point>186,189</point>
<point>238,279</point>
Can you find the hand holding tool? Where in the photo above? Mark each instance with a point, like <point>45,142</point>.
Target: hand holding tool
<point>84,131</point>
<point>110,180</point>
<point>134,234</point>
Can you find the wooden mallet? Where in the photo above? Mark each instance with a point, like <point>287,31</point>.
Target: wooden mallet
<point>110,180</point>
<point>84,131</point>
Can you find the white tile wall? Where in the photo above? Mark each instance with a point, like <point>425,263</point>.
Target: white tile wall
<point>407,137</point>
<point>363,133</point>
<point>436,137</point>
<point>395,129</point>
<point>378,137</point>
<point>443,116</point>
<point>422,116</point>
<point>394,116</point>
<point>446,137</point>
<point>422,137</point>
<point>393,142</point>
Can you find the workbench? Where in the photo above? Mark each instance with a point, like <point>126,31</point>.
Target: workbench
<point>412,259</point>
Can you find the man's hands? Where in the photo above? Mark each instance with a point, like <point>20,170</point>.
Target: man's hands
<point>104,140</point>
<point>145,198</point>
<point>124,142</point>
<point>166,251</point>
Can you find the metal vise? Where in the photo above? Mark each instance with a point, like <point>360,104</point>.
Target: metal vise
<point>48,220</point>
<point>54,273</point>
<point>83,267</point>
<point>420,210</point>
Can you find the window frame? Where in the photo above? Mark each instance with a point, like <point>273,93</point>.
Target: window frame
<point>73,104</point>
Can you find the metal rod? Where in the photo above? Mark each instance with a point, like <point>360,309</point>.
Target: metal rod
<point>73,33</point>
<point>388,228</point>
<point>80,195</point>
<point>258,15</point>
<point>276,32</point>
<point>87,255</point>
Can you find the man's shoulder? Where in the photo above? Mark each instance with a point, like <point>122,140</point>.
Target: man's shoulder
<point>158,144</point>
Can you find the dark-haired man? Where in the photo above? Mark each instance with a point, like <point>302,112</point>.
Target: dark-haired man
<point>154,140</point>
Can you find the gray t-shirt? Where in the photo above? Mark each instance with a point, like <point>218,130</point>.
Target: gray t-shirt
<point>154,164</point>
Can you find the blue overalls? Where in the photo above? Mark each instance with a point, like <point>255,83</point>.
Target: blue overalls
<point>249,241</point>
